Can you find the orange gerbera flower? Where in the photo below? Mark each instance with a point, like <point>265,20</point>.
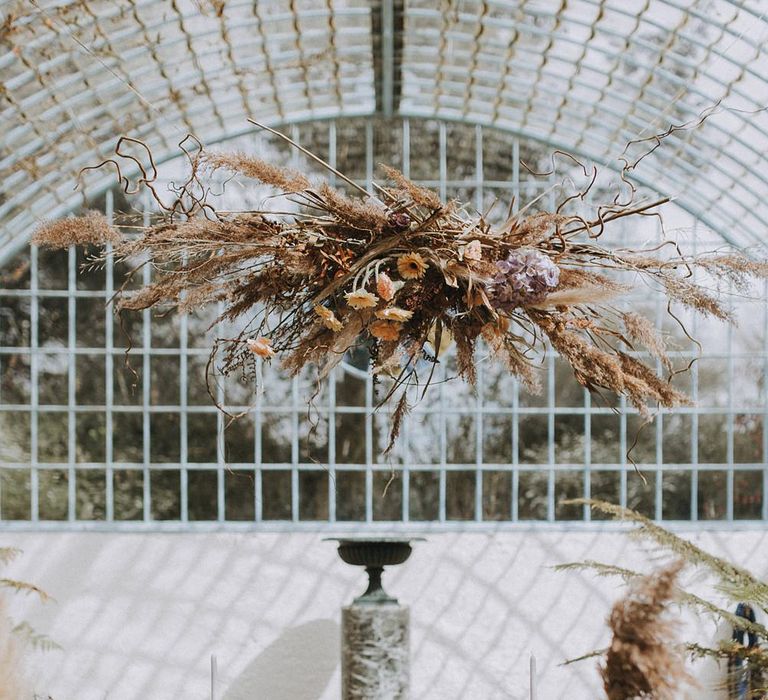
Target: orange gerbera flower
<point>361,299</point>
<point>411,266</point>
<point>385,330</point>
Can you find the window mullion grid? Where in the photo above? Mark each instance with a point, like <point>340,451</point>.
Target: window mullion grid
<point>296,164</point>
<point>443,173</point>
<point>71,382</point>
<point>694,456</point>
<point>729,445</point>
<point>515,384</point>
<point>183,419</point>
<point>442,446</point>
<point>406,503</point>
<point>332,160</point>
<point>586,510</point>
<point>257,446</point>
<point>146,346</point>
<point>765,402</point>
<point>479,425</point>
<point>369,156</point>
<point>479,444</point>
<point>369,407</point>
<point>109,271</point>
<point>34,373</point>
<point>221,506</point>
<point>551,398</point>
<point>332,445</point>
<point>295,449</point>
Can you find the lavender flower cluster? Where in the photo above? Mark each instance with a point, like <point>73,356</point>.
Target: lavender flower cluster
<point>524,277</point>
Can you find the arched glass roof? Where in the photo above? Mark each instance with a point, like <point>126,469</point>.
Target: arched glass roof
<point>586,76</point>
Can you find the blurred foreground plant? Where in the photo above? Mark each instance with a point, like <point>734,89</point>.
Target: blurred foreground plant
<point>651,597</point>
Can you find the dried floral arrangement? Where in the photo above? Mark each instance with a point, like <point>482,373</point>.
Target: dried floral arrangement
<point>644,658</point>
<point>402,273</point>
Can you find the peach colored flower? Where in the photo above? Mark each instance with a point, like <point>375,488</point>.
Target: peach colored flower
<point>261,347</point>
<point>385,287</point>
<point>361,299</point>
<point>411,266</point>
<point>329,318</point>
<point>385,330</point>
<point>394,313</point>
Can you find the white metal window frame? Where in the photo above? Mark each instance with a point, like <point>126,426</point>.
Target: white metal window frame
<point>440,406</point>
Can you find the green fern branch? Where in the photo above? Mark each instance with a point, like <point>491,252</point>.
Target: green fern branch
<point>24,587</point>
<point>35,639</point>
<point>8,554</point>
<point>735,582</point>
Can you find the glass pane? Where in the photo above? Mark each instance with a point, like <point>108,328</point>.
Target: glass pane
<point>164,437</point>
<point>350,495</point>
<point>276,495</point>
<point>239,446</point>
<point>350,438</point>
<point>387,495</point>
<point>712,495</point>
<point>424,495</point>
<point>533,440</point>
<point>91,490</point>
<point>313,495</point>
<point>676,495</point>
<point>605,486</point>
<point>747,495</point>
<point>53,494</point>
<point>90,436</point>
<point>461,439</point>
<point>641,492</point>
<point>532,495</point>
<point>460,495</point>
<point>127,437</point>
<point>166,494</point>
<point>15,502</point>
<point>497,495</point>
<point>202,494</point>
<point>129,494</point>
<point>239,503</point>
<point>201,437</point>
<point>568,484</point>
<point>497,439</point>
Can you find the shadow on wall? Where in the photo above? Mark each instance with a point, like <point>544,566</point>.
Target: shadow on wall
<point>298,665</point>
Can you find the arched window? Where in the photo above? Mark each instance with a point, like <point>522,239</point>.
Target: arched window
<point>102,438</point>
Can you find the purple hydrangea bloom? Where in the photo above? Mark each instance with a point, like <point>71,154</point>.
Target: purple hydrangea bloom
<point>524,277</point>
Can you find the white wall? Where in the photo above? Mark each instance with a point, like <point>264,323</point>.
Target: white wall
<point>138,615</point>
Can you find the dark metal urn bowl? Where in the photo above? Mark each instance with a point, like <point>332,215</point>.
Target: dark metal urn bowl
<point>374,553</point>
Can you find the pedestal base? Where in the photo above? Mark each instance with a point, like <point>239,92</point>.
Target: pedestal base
<point>375,654</point>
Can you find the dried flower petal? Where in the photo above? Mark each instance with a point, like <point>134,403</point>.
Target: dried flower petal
<point>385,287</point>
<point>473,251</point>
<point>361,299</point>
<point>394,313</point>
<point>261,347</point>
<point>385,330</point>
<point>329,318</point>
<point>411,266</point>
